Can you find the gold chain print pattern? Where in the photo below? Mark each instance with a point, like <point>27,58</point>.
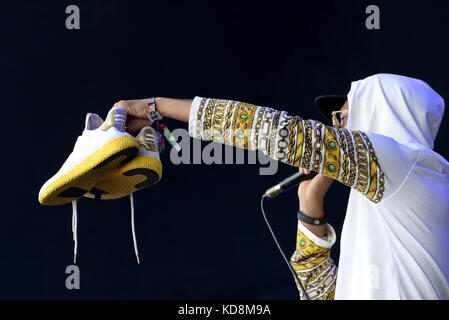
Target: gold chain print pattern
<point>264,136</point>
<point>314,268</point>
<point>291,139</point>
<point>228,118</point>
<point>374,173</point>
<point>199,117</point>
<point>318,146</point>
<point>362,161</point>
<point>258,127</point>
<point>344,166</point>
<point>299,143</point>
<point>217,124</point>
<point>207,123</point>
<point>307,145</point>
<point>343,155</point>
<point>284,133</point>
<point>274,131</point>
<point>351,157</point>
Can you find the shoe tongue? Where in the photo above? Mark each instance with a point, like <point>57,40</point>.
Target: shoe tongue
<point>148,138</point>
<point>93,121</point>
<point>116,118</point>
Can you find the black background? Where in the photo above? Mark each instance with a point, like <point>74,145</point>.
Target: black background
<point>200,231</point>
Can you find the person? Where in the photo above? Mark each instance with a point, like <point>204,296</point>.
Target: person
<point>395,235</point>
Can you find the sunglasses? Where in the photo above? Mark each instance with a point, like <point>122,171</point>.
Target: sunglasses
<point>338,117</point>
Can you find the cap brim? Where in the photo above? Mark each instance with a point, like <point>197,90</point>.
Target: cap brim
<point>329,103</point>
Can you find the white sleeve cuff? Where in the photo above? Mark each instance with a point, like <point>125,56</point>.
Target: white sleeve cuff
<point>321,242</point>
<point>194,122</point>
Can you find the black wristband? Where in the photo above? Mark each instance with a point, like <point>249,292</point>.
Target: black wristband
<point>310,220</point>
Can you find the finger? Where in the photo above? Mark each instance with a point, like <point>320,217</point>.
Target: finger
<point>122,104</point>
<point>324,179</point>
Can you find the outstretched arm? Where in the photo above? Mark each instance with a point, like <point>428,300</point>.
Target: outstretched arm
<point>341,154</point>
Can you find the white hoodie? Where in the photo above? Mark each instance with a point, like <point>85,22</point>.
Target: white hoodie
<point>398,248</point>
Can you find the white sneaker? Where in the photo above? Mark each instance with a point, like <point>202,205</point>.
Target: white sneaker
<point>141,172</point>
<point>102,147</point>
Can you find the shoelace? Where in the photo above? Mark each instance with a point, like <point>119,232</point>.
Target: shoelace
<point>119,118</point>
<point>149,138</point>
<point>75,228</point>
<point>133,228</point>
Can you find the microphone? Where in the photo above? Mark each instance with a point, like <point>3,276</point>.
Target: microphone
<point>287,183</point>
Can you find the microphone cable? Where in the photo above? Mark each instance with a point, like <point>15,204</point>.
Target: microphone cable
<point>295,276</point>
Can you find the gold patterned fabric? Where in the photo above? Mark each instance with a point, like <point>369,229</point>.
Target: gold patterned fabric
<point>341,154</point>
<point>314,268</point>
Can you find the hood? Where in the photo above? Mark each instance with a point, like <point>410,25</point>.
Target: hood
<point>405,109</point>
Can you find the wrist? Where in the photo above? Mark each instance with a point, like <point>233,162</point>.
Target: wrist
<point>160,106</point>
<point>315,199</point>
<point>313,207</point>
<point>312,211</point>
<point>177,109</point>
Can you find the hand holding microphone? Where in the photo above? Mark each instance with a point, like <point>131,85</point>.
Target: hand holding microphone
<point>313,190</point>
<point>303,176</point>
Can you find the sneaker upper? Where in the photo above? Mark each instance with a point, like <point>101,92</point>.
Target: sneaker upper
<point>96,133</point>
<point>147,139</point>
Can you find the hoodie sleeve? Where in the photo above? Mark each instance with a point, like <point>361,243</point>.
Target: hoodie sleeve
<point>313,265</point>
<point>341,154</point>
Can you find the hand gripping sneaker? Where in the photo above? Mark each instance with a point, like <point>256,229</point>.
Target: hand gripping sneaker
<point>102,147</point>
<point>141,172</point>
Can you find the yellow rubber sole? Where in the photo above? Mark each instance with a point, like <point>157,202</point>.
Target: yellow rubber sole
<point>139,173</point>
<point>83,177</point>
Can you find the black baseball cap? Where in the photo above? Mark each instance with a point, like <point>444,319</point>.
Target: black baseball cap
<point>329,103</point>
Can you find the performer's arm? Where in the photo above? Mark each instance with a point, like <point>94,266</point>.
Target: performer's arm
<point>341,154</point>
<point>311,260</point>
